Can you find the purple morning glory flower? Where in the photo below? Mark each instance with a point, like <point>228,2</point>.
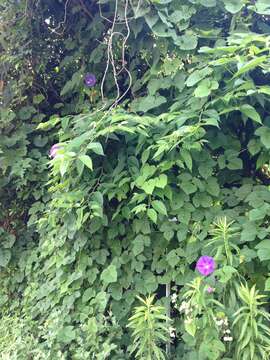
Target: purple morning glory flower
<point>54,149</point>
<point>205,265</point>
<point>90,80</point>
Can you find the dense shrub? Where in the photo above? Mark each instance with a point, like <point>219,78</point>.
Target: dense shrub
<point>159,116</point>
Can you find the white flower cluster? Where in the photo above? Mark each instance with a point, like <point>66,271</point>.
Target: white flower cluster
<point>224,325</point>
<point>174,298</point>
<point>185,307</point>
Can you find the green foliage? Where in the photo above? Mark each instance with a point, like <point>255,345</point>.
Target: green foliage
<point>251,323</point>
<point>150,175</point>
<point>201,316</point>
<point>149,325</point>
<point>17,342</point>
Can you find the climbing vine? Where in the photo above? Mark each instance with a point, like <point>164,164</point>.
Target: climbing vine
<point>134,160</point>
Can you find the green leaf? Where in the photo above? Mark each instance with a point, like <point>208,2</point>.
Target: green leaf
<point>235,164</point>
<point>138,245</point>
<point>40,141</point>
<point>159,207</point>
<point>26,112</point>
<point>109,275</point>
<point>156,84</point>
<point>254,146</point>
<point>147,103</point>
<point>212,186</point>
<point>250,112</point>
<point>96,147</point>
<point>205,87</point>
<point>151,19</point>
<point>252,64</point>
<point>262,7</point>
<point>88,294</point>
<point>264,133</point>
<point>259,213</point>
<point>72,84</point>
<point>161,181</point>
<point>203,90</point>
<point>5,256</point>
<point>249,232</point>
<point>172,258</point>
<point>208,3</point>
<point>149,186</point>
<point>79,167</point>
<point>87,161</point>
<point>37,99</point>
<point>198,75</point>
<point>233,6</point>
<point>267,285</point>
<point>186,42</point>
<point>151,213</point>
<point>263,250</point>
<point>64,164</point>
<point>145,155</point>
<point>264,90</point>
<point>188,187</point>
<point>66,334</point>
<point>190,327</point>
<point>225,273</point>
<point>187,158</point>
<point>116,291</point>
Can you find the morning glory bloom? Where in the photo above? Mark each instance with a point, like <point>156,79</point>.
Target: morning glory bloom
<point>54,149</point>
<point>205,265</point>
<point>90,80</point>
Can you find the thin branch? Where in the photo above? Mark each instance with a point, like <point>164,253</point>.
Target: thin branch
<point>86,10</point>
<point>109,58</point>
<point>62,22</point>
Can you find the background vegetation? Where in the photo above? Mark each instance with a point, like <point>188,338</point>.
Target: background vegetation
<point>164,159</point>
